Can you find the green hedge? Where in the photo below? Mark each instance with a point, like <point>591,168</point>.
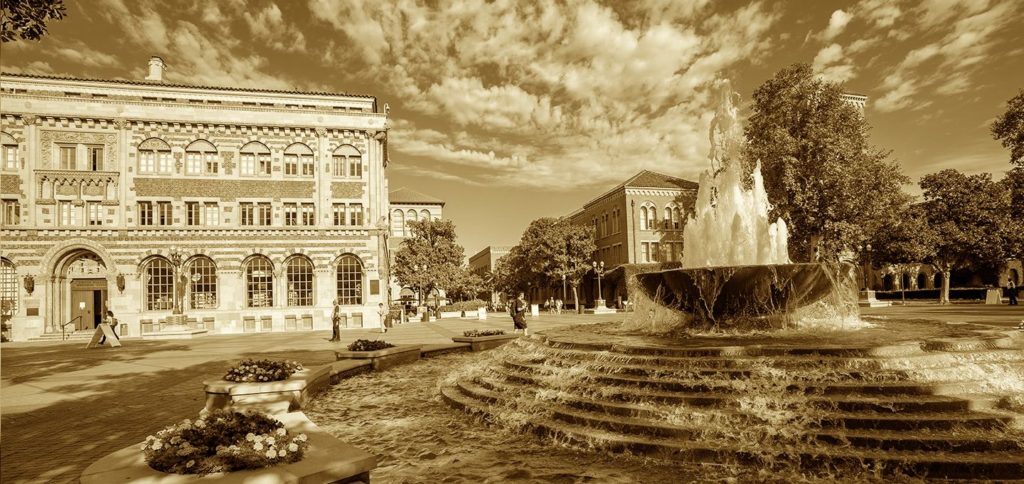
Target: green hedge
<point>472,305</point>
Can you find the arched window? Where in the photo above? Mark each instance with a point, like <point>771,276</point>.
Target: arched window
<point>155,157</point>
<point>298,160</point>
<point>397,223</point>
<point>202,276</point>
<point>259,282</point>
<point>347,161</point>
<point>677,218</point>
<point>8,152</point>
<point>905,281</point>
<point>666,218</point>
<point>201,158</point>
<point>938,280</point>
<point>643,218</point>
<point>410,216</point>
<point>8,287</point>
<point>424,214</point>
<point>159,285</point>
<point>921,280</point>
<point>299,270</point>
<point>254,159</point>
<point>350,280</point>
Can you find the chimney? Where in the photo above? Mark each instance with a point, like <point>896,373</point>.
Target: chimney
<point>156,69</point>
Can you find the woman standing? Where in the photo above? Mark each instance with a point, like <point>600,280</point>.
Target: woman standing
<point>111,321</point>
<point>519,314</point>
<point>336,322</point>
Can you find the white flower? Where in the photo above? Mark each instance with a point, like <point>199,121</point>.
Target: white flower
<point>190,464</point>
<point>271,454</point>
<point>281,431</point>
<point>257,446</point>
<point>301,437</point>
<point>282,453</point>
<point>259,438</point>
<point>250,436</point>
<point>157,445</point>
<point>175,440</point>
<point>271,441</point>
<point>293,447</point>
<point>200,424</point>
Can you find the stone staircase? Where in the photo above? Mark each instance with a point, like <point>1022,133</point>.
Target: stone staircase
<point>80,335</point>
<point>934,408</point>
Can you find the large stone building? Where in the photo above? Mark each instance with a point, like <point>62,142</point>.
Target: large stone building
<point>639,221</point>
<point>482,263</point>
<point>185,207</point>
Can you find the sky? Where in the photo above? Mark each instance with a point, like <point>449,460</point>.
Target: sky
<point>514,110</point>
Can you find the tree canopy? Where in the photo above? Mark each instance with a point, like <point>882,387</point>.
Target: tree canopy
<point>549,249</point>
<point>430,259</point>
<point>833,188</point>
<point>1009,128</point>
<point>26,19</point>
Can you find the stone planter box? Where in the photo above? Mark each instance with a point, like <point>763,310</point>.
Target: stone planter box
<point>271,397</point>
<point>327,460</point>
<point>384,359</point>
<point>481,343</point>
<point>451,314</point>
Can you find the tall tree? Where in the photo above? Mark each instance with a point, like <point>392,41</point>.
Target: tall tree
<point>906,240</point>
<point>972,217</point>
<point>556,248</point>
<point>26,19</point>
<point>430,259</point>
<point>467,285</point>
<point>511,273</point>
<point>1009,128</point>
<point>822,175</point>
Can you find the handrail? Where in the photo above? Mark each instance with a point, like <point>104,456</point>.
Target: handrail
<point>65,325</point>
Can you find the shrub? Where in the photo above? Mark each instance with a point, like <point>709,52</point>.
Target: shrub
<point>474,333</point>
<point>465,306</point>
<point>262,371</point>
<point>223,441</point>
<point>369,345</point>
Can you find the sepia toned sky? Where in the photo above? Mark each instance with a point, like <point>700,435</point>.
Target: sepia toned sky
<point>513,110</point>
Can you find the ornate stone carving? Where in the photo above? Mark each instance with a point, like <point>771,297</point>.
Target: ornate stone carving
<point>121,123</point>
<point>321,132</point>
<point>229,164</point>
<point>29,119</point>
<point>177,162</point>
<point>48,138</point>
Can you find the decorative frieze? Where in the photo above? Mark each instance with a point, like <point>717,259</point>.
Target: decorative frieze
<point>347,189</point>
<point>226,190</point>
<point>11,185</point>
<point>48,138</point>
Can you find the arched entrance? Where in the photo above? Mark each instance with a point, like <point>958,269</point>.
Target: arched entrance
<point>921,280</point>
<point>78,287</point>
<point>887,282</point>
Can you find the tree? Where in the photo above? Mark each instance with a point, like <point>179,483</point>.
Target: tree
<point>556,248</point>
<point>1014,183</point>
<point>1009,128</point>
<point>26,19</point>
<point>972,218</point>
<point>430,259</point>
<point>823,177</point>
<point>906,240</point>
<point>511,274</point>
<point>467,285</point>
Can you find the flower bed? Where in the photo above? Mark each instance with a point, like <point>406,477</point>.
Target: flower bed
<point>476,333</point>
<point>262,371</point>
<point>369,345</point>
<point>383,358</point>
<point>223,441</point>
<point>480,340</point>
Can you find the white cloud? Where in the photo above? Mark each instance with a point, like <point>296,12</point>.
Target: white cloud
<point>269,25</point>
<point>836,24</point>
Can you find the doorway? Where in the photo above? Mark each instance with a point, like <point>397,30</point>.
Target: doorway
<point>88,302</point>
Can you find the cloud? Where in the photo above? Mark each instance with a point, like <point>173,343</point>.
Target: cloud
<point>836,23</point>
<point>268,24</point>
<point>832,65</point>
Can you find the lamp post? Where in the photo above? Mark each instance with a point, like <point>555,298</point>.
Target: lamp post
<point>598,272</point>
<point>564,296</point>
<point>177,259</point>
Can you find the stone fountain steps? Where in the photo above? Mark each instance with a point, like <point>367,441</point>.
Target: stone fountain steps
<point>961,465</point>
<point>923,441</point>
<point>896,350</point>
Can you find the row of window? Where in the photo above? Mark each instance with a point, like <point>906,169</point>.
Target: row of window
<point>8,288</point>
<point>10,212</point>
<point>400,221</point>
<point>608,223</point>
<point>201,283</point>
<point>672,217</point>
<point>661,251</point>
<point>203,158</point>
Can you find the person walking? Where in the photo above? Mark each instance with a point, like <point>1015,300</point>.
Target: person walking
<point>383,312</point>
<point>519,314</point>
<point>336,322</point>
<point>1011,286</point>
<point>111,321</point>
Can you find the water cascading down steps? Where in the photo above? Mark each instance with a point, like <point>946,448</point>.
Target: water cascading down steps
<point>921,409</point>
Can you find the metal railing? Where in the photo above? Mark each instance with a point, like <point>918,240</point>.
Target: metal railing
<point>63,327</point>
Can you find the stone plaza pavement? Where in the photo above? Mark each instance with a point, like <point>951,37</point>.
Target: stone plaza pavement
<point>62,406</point>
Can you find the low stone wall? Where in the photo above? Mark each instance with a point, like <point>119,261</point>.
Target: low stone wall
<point>384,359</point>
<point>481,343</point>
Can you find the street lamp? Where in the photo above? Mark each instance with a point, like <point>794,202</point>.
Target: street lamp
<point>598,272</point>
<point>867,268</point>
<point>177,259</point>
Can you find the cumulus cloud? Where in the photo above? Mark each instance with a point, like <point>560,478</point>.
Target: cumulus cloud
<point>268,24</point>
<point>836,24</point>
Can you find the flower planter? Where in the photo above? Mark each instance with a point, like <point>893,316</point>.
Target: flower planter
<point>386,358</point>
<point>326,460</point>
<point>481,343</point>
<point>451,314</point>
<point>271,397</point>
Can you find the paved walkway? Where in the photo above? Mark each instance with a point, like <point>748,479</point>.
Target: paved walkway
<point>62,406</point>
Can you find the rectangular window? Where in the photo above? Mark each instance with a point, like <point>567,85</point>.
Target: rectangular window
<point>145,213</point>
<point>338,166</point>
<point>9,154</point>
<point>95,213</point>
<point>307,214</point>
<point>291,214</point>
<point>645,251</point>
<point>211,214</point>
<point>264,214</point>
<point>212,161</point>
<point>355,212</point>
<point>307,165</point>
<point>164,164</point>
<point>355,166</point>
<point>291,164</point>
<point>248,212</point>
<point>247,164</point>
<point>339,214</point>
<point>194,163</point>
<point>67,158</point>
<point>95,159</point>
<point>147,161</point>
<point>264,164</point>
<point>68,214</point>
<point>655,252</point>
<point>164,213</point>
<point>11,212</point>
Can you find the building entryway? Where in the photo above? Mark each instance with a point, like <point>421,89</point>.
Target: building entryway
<point>77,292</point>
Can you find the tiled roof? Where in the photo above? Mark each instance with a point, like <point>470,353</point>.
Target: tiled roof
<point>165,84</point>
<point>405,195</point>
<point>653,179</point>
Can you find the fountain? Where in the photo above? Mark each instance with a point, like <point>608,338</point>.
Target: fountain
<point>736,270</point>
<point>891,401</point>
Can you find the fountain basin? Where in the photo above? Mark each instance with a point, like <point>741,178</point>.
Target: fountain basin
<point>767,293</point>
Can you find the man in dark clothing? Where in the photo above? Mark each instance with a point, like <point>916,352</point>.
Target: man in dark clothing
<point>519,314</point>
<point>1011,287</point>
